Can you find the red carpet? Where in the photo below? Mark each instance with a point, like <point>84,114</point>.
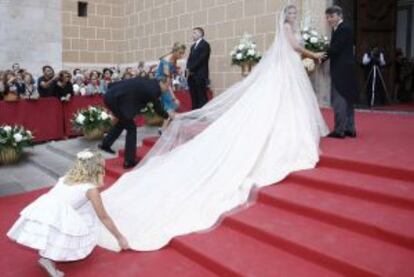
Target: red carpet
<point>353,216</point>
<point>405,107</point>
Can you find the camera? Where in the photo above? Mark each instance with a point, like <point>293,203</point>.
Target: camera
<point>375,55</point>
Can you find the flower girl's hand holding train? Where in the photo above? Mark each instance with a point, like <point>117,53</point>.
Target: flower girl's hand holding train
<point>62,225</point>
<point>123,243</point>
<point>96,200</point>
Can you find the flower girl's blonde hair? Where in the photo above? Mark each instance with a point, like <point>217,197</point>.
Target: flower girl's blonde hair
<point>89,167</point>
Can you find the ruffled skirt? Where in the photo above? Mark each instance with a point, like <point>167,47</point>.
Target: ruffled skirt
<point>59,232</point>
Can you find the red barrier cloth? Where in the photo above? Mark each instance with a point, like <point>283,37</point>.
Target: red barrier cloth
<point>44,117</point>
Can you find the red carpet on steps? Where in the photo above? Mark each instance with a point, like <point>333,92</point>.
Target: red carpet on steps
<point>404,107</point>
<point>353,215</point>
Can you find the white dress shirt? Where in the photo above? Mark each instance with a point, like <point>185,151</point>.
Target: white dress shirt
<point>197,42</point>
<point>337,25</point>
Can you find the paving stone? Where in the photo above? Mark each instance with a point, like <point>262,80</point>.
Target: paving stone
<point>43,164</point>
<point>11,188</point>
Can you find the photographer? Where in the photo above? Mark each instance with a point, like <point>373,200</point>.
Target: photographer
<point>46,82</point>
<point>373,61</point>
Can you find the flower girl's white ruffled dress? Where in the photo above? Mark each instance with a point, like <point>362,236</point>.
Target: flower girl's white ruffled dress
<point>61,224</point>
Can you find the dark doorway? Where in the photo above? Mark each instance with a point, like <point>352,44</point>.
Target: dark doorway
<point>379,23</point>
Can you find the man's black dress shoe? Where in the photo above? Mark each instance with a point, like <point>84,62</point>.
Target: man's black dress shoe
<point>336,135</point>
<point>351,134</point>
<point>106,149</point>
<point>130,164</point>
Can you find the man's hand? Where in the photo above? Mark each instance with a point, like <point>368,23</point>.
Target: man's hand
<point>324,58</point>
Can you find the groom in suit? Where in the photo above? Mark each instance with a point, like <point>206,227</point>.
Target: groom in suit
<point>197,69</point>
<point>344,91</point>
<point>125,99</point>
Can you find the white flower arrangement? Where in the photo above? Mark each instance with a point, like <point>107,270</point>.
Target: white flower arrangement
<point>93,117</point>
<point>148,111</point>
<point>84,155</point>
<point>314,41</point>
<point>16,137</point>
<point>150,116</point>
<point>245,51</point>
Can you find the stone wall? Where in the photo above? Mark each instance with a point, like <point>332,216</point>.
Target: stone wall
<point>127,31</point>
<point>154,25</point>
<point>313,14</point>
<point>97,39</point>
<point>123,32</point>
<point>30,34</point>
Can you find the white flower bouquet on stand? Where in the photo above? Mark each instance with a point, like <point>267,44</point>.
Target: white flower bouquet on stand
<point>93,121</point>
<point>150,116</point>
<point>12,141</point>
<point>313,42</point>
<point>245,54</point>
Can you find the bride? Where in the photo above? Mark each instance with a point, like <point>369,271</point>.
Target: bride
<point>208,160</point>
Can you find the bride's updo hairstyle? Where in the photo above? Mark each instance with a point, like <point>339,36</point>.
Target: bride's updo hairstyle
<point>89,167</point>
<point>177,47</point>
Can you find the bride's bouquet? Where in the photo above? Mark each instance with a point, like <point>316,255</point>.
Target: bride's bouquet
<point>313,42</point>
<point>245,53</point>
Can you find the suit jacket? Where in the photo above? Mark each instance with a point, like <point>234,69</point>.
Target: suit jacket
<point>197,62</point>
<point>342,63</point>
<point>126,98</point>
<point>60,92</point>
<point>45,92</point>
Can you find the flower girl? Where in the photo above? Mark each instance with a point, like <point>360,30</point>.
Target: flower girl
<point>63,224</point>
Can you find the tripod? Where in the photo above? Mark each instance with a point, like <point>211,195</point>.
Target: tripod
<point>375,72</point>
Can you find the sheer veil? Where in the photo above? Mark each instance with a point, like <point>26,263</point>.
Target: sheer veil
<point>208,161</point>
<point>188,125</point>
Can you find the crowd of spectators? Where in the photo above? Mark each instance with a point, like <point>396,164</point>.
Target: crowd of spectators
<point>18,83</point>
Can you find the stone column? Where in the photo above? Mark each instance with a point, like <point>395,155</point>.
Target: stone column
<point>31,34</point>
<point>313,15</point>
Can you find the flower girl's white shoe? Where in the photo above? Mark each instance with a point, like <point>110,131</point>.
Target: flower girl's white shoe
<point>50,268</point>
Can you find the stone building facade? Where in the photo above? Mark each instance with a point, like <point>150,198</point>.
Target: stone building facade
<point>123,32</point>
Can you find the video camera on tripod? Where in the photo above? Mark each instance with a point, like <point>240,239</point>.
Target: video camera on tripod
<point>375,59</point>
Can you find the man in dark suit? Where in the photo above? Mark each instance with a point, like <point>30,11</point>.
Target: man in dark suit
<point>197,69</point>
<point>125,99</point>
<point>344,91</point>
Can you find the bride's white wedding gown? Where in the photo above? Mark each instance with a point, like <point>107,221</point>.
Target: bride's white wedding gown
<point>207,162</point>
